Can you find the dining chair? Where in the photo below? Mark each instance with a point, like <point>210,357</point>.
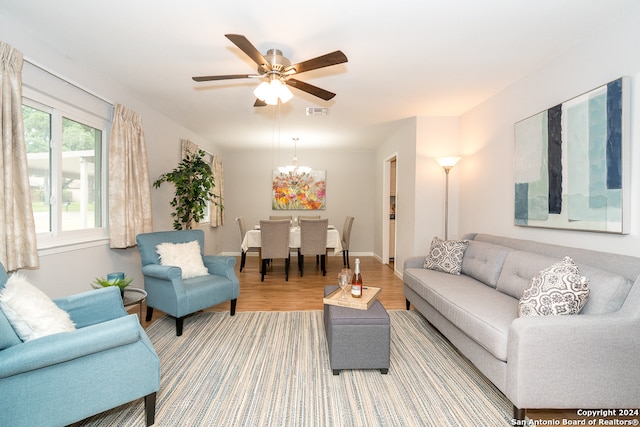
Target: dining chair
<point>308,217</point>
<point>297,222</point>
<point>242,226</point>
<point>274,238</point>
<point>346,236</point>
<point>276,217</point>
<point>313,241</point>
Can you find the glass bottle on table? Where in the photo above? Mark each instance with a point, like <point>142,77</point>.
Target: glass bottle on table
<point>356,284</point>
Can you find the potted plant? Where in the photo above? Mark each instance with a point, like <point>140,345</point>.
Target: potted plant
<point>121,282</point>
<point>194,182</point>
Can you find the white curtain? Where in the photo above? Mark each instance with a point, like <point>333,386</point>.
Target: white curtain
<point>129,185</point>
<point>216,215</point>
<point>188,147</point>
<point>18,245</point>
<point>215,212</point>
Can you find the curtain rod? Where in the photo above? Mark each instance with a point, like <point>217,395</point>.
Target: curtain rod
<point>48,71</point>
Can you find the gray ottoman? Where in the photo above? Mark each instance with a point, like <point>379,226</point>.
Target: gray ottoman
<point>358,339</point>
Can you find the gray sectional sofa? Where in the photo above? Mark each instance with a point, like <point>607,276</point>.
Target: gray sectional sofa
<point>588,360</point>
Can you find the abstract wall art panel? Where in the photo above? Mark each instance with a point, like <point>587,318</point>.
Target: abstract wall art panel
<point>572,163</point>
<point>299,191</point>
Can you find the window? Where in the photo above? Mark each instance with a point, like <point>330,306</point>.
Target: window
<point>66,146</point>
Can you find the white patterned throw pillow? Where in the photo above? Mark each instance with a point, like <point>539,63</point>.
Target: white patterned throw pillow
<point>184,255</point>
<point>559,289</point>
<point>446,255</point>
<point>30,311</point>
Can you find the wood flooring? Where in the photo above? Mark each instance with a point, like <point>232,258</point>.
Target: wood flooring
<point>302,293</point>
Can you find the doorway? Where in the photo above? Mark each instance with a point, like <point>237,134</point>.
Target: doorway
<point>392,210</point>
<point>389,210</point>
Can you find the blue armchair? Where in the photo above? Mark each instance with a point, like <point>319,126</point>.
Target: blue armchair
<point>66,377</point>
<point>169,292</point>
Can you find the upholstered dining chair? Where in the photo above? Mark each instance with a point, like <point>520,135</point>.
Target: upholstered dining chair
<point>179,279</point>
<point>308,217</point>
<point>276,217</point>
<point>313,241</point>
<point>242,225</point>
<point>346,237</point>
<point>274,240</point>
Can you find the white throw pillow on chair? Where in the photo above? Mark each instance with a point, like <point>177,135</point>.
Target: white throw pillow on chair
<point>30,311</point>
<point>184,255</point>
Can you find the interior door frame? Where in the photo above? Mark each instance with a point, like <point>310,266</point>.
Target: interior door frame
<point>386,208</point>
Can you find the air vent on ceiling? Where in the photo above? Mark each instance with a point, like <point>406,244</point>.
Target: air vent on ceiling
<point>317,111</point>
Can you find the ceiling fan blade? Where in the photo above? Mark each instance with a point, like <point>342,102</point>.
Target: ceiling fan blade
<point>313,90</point>
<point>259,103</point>
<point>251,51</point>
<point>223,77</point>
<point>327,60</point>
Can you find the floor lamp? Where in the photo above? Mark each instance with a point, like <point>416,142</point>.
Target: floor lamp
<point>447,163</point>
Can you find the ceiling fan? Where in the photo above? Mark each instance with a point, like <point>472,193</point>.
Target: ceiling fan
<point>279,71</point>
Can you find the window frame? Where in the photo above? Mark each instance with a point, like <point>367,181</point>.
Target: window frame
<point>57,240</point>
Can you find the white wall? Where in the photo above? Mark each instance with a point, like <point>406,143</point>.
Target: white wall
<point>400,140</point>
<point>416,142</point>
<point>350,191</point>
<point>436,137</point>
<point>72,271</point>
<point>486,174</point>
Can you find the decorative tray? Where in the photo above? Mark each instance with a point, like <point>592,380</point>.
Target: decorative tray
<point>369,295</point>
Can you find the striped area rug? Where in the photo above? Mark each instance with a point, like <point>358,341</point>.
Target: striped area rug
<point>272,369</point>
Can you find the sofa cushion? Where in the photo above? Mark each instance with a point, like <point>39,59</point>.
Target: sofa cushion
<point>446,255</point>
<point>483,261</point>
<point>187,256</point>
<point>30,311</point>
<point>607,291</point>
<point>560,289</point>
<point>475,308</point>
<point>518,269</point>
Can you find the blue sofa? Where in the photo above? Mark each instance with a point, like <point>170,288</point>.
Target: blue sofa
<point>63,378</point>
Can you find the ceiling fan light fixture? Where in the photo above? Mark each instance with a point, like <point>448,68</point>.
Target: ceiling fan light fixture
<point>271,92</point>
<point>271,99</point>
<point>262,91</point>
<point>285,93</point>
<point>278,70</point>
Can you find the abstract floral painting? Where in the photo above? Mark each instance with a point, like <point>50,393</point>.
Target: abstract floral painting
<point>299,191</point>
<point>572,163</point>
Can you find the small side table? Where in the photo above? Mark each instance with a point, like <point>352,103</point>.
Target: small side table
<point>133,296</point>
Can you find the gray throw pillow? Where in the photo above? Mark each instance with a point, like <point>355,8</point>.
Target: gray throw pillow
<point>559,289</point>
<point>446,255</point>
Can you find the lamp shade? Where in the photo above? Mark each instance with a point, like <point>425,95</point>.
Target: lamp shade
<point>262,91</point>
<point>285,93</point>
<point>448,162</point>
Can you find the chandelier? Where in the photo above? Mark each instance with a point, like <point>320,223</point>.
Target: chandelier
<point>294,169</point>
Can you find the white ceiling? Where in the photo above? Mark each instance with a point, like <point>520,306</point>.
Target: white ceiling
<point>411,58</point>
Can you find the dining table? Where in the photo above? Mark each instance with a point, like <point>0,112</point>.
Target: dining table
<point>253,239</point>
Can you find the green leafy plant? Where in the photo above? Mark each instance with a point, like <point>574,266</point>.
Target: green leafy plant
<point>121,283</point>
<point>194,182</point>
